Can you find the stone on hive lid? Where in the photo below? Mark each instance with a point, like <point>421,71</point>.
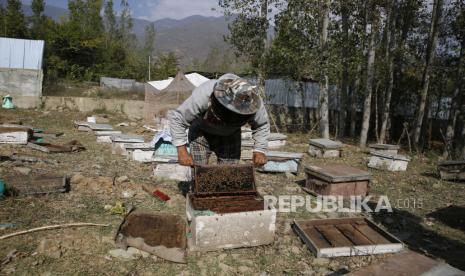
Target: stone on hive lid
<point>338,173</point>
<point>325,143</point>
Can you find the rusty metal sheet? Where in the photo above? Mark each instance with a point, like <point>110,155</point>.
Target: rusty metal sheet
<point>228,204</point>
<point>72,146</point>
<point>38,185</point>
<point>337,173</point>
<point>221,179</point>
<point>162,235</point>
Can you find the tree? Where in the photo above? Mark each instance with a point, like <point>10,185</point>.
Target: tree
<point>389,59</point>
<point>248,30</point>
<point>38,19</point>
<point>429,58</point>
<point>166,65</point>
<point>2,21</point>
<point>110,20</point>
<point>149,42</point>
<point>454,131</point>
<point>15,22</point>
<point>324,80</point>
<point>371,30</point>
<point>125,24</point>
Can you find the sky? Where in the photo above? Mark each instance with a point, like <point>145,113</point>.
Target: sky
<point>157,9</point>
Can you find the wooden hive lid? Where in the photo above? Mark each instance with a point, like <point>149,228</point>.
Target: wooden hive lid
<point>384,146</point>
<point>390,156</point>
<point>337,173</point>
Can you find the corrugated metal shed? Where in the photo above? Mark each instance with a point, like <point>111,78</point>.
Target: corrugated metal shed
<point>21,53</point>
<point>287,92</point>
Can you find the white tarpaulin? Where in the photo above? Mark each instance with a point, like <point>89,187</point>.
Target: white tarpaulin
<point>195,78</point>
<point>21,53</point>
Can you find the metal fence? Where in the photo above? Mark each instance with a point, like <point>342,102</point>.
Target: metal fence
<point>21,53</point>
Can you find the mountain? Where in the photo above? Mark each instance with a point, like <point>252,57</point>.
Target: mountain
<point>54,12</point>
<point>190,38</point>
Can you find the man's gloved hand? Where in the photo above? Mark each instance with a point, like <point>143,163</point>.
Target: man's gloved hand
<point>184,158</point>
<point>259,158</point>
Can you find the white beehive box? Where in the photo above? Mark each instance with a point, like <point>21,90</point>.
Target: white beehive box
<point>324,148</point>
<point>385,148</point>
<point>390,162</point>
<point>225,210</point>
<point>14,135</point>
<point>210,232</point>
<point>173,171</point>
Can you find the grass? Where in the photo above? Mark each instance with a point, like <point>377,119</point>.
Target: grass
<point>84,250</point>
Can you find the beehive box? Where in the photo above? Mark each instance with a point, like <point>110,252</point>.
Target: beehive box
<point>387,161</point>
<point>324,148</point>
<point>278,161</point>
<point>385,148</point>
<point>337,180</point>
<point>276,140</point>
<point>104,136</point>
<point>452,170</point>
<point>172,171</point>
<point>226,211</point>
<point>15,135</point>
<point>119,140</point>
<point>345,237</point>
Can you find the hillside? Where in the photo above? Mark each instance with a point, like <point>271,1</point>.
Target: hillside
<point>191,37</point>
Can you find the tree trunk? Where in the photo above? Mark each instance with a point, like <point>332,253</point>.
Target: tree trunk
<point>324,81</point>
<point>345,70</point>
<point>390,42</point>
<point>430,54</point>
<point>264,34</point>
<point>456,99</point>
<point>353,101</point>
<point>369,86</point>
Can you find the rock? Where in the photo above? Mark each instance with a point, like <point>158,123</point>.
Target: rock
<point>287,229</point>
<point>308,272</point>
<point>128,194</point>
<point>292,188</point>
<point>122,254</point>
<point>320,262</point>
<point>224,268</point>
<point>221,257</point>
<point>243,269</point>
<point>124,124</point>
<point>107,207</point>
<point>122,179</point>
<point>132,124</point>
<point>49,248</point>
<point>23,170</point>
<point>136,252</point>
<point>289,175</point>
<point>295,250</point>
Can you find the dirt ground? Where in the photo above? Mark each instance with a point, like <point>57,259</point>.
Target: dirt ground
<point>428,213</point>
